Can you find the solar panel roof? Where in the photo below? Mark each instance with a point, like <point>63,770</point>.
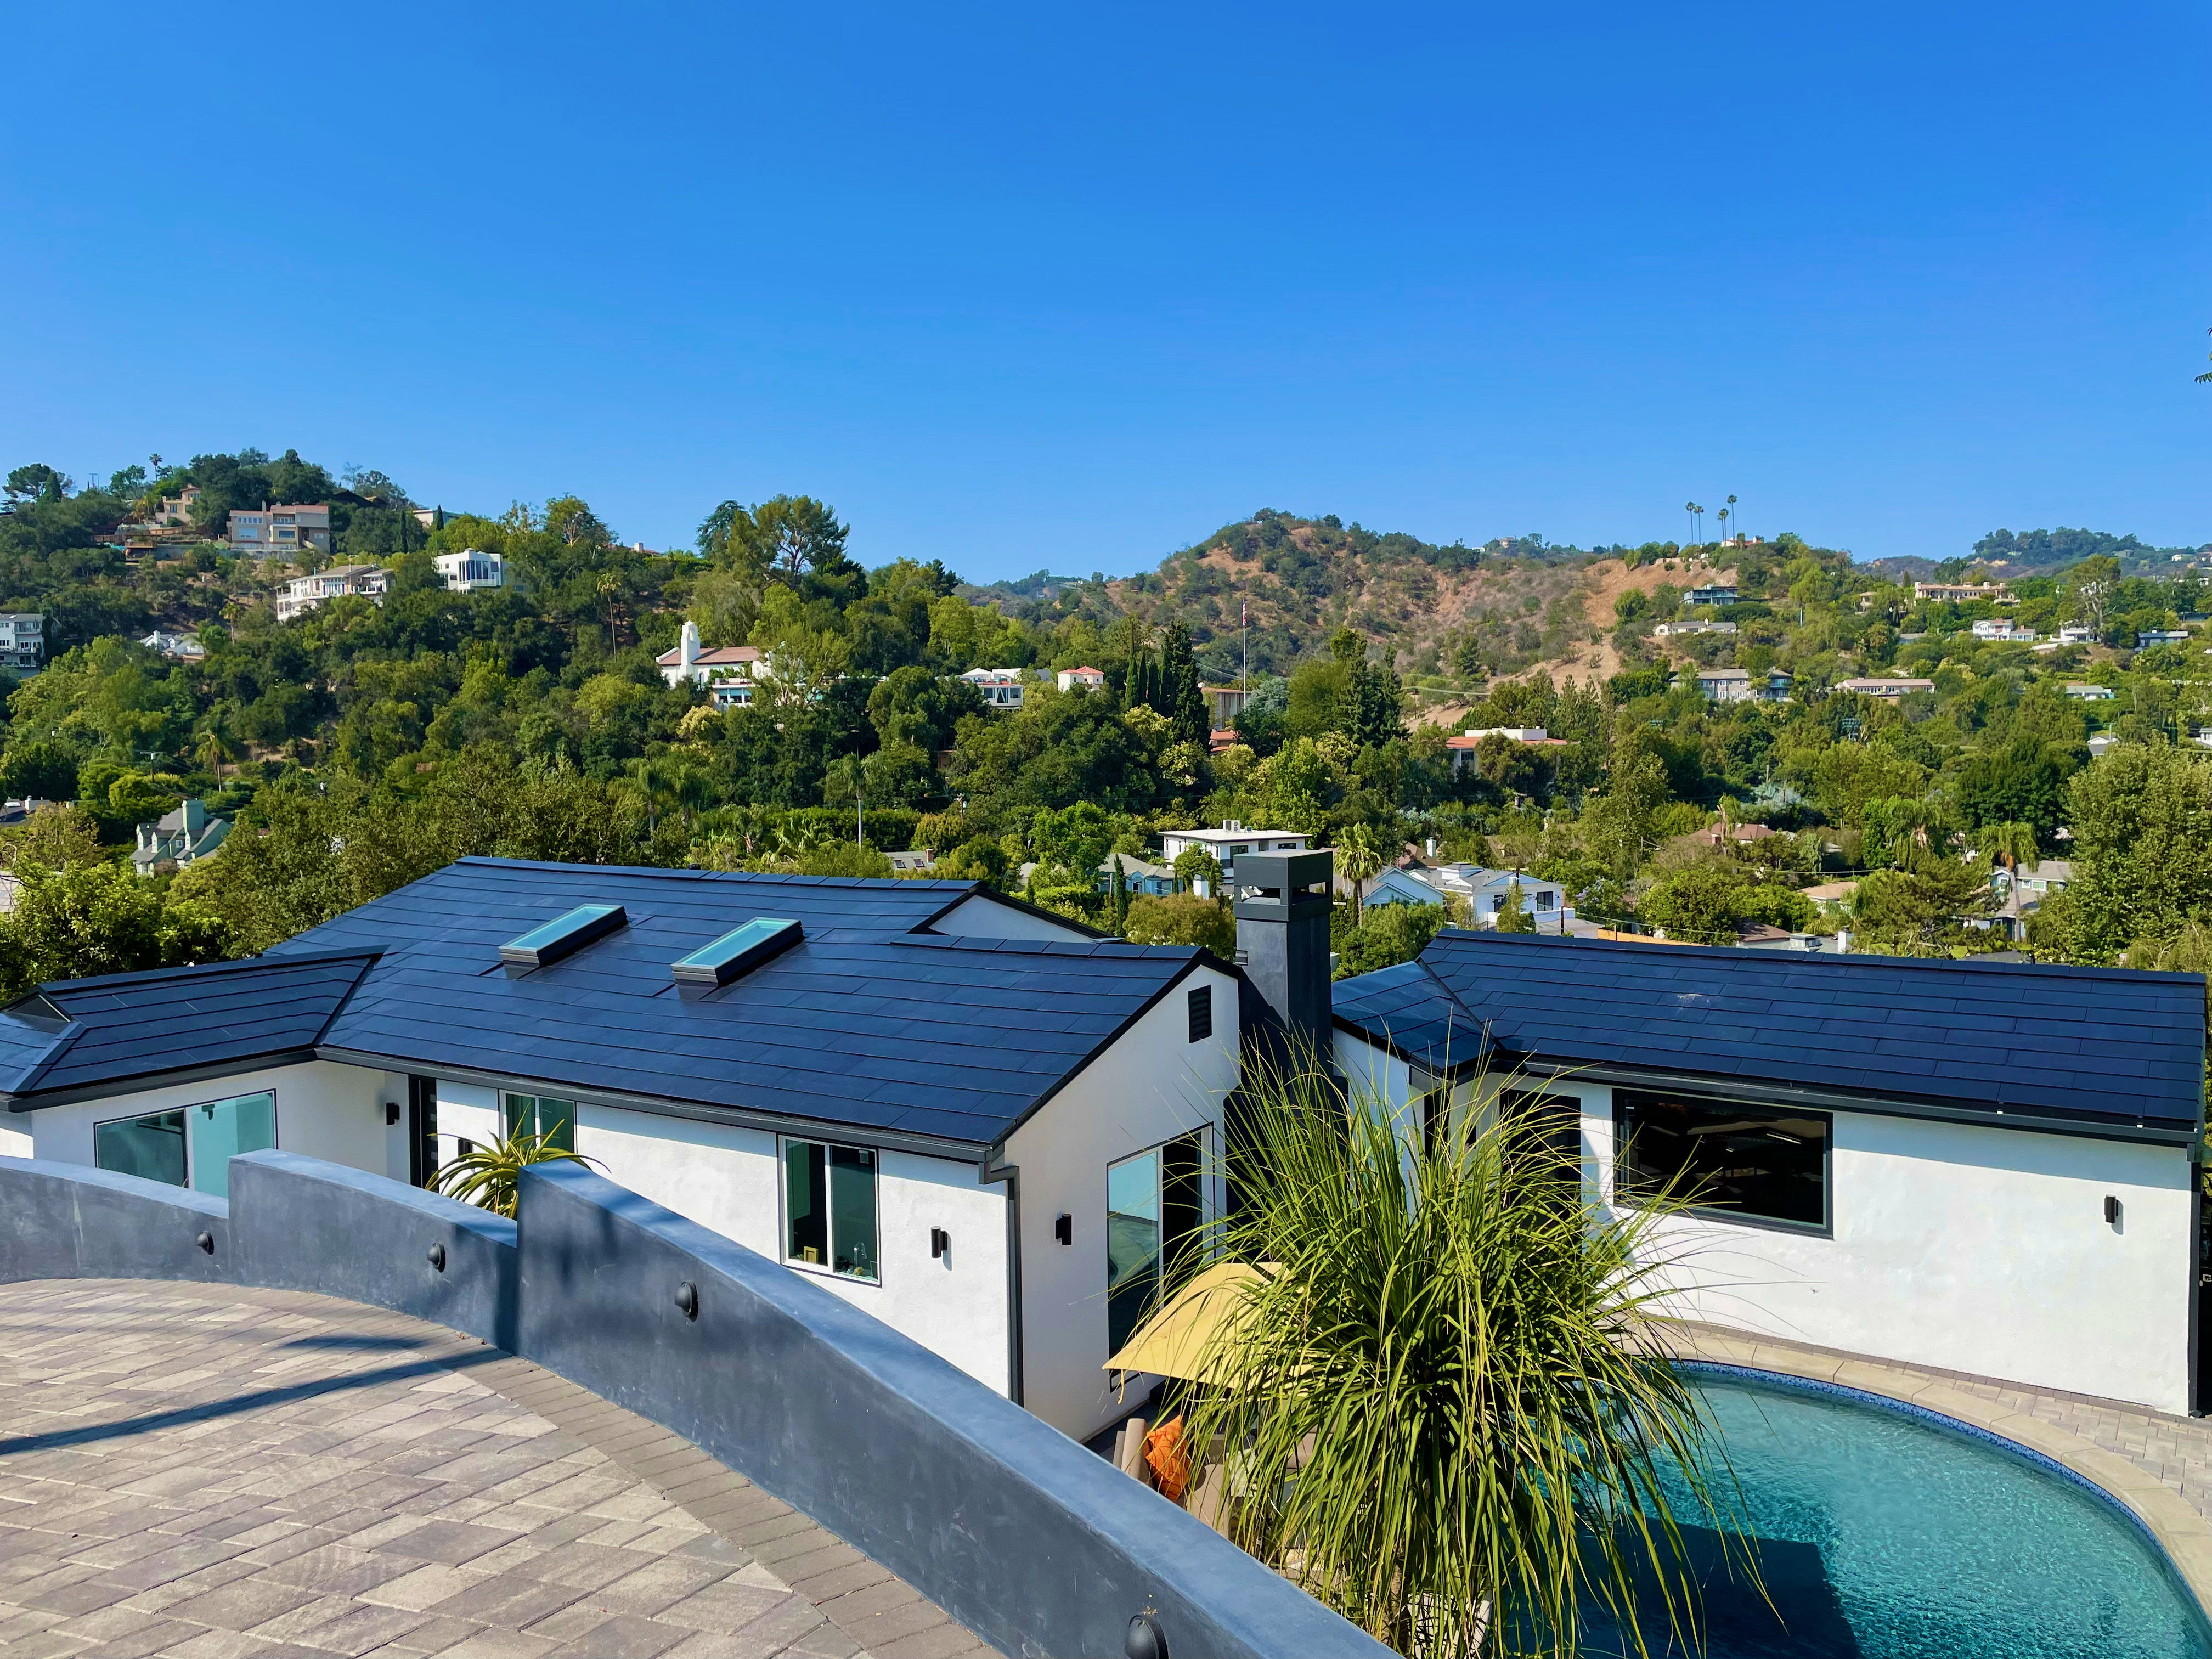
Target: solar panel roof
<point>2095,1043</point>
<point>869,1021</point>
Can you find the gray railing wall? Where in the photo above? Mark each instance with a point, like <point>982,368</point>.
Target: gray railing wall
<point>1033,1542</point>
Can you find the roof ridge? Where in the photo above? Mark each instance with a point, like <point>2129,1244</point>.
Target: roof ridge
<point>193,969</point>
<point>1828,962</point>
<point>687,872</point>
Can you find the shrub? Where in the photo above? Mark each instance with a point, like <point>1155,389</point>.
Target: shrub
<point>1181,919</point>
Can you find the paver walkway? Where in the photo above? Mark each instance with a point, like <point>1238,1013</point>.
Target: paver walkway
<point>206,1471</point>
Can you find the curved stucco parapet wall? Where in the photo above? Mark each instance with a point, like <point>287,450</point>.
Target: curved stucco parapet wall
<point>1025,1537</point>
<point>2181,1535</point>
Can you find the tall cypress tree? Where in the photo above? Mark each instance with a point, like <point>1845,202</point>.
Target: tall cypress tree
<point>1181,700</point>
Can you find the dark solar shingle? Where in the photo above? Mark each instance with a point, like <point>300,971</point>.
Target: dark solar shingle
<point>2103,1043</point>
<point>869,1021</point>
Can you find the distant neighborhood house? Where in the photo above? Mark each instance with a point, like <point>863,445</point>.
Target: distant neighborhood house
<point>303,593</point>
<point>727,671</point>
<point>1741,685</point>
<point>1090,679</point>
<point>1890,688</point>
<point>180,839</point>
<point>22,640</point>
<point>466,571</point>
<point>178,648</point>
<point>1001,687</point>
<point>285,530</point>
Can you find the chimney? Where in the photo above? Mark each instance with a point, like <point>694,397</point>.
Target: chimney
<point>687,650</point>
<point>1282,937</point>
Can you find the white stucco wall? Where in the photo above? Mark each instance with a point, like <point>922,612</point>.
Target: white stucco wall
<point>1970,1249</point>
<point>728,1179</point>
<point>1150,1087</point>
<point>16,1139</point>
<point>324,1110</point>
<point>1983,1250</point>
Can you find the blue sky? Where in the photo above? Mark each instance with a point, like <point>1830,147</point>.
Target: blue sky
<point>1020,288</point>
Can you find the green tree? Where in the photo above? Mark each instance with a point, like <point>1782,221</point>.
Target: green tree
<point>1358,860</point>
<point>1699,902</point>
<point>1513,916</point>
<point>2142,819</point>
<point>1180,698</point>
<point>89,918</point>
<point>1181,919</point>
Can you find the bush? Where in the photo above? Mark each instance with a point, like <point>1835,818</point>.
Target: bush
<point>1182,919</point>
<point>1387,935</point>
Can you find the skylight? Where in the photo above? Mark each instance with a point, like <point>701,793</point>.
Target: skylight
<point>737,950</point>
<point>562,935</point>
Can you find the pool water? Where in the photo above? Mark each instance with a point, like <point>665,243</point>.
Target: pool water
<point>1884,1536</point>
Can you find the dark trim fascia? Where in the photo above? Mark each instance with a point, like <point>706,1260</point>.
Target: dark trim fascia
<point>1838,1100</point>
<point>38,1100</point>
<point>1199,959</point>
<point>743,1117</point>
<point>989,1173</point>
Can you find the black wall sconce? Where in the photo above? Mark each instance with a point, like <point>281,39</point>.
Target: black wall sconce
<point>939,1242</point>
<point>391,1114</point>
<point>1063,1228</point>
<point>2111,1210</point>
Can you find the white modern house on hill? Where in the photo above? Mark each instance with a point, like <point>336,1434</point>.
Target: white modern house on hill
<point>303,593</point>
<point>467,571</point>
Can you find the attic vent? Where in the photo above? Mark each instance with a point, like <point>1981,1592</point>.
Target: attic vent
<point>562,935</point>
<point>736,951</point>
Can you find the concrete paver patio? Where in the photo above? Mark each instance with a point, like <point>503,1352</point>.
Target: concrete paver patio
<point>206,1473</point>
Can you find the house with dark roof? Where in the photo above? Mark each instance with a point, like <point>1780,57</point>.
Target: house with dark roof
<point>980,1123</point>
<point>1983,1167</point>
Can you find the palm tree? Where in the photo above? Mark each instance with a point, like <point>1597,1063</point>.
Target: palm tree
<point>1734,517</point>
<point>1453,1420</point>
<point>2009,843</point>
<point>215,746</point>
<point>1357,858</point>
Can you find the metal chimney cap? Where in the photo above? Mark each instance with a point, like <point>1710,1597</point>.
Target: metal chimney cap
<point>1285,872</point>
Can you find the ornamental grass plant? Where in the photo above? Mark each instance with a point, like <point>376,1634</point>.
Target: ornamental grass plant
<point>1442,1406</point>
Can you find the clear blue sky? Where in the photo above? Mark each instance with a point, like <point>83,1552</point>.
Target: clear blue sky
<point>1017,287</point>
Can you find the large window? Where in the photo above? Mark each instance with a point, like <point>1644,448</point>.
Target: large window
<point>190,1145</point>
<point>541,1114</point>
<point>830,1207</point>
<point>1745,1163</point>
<point>1153,1211</point>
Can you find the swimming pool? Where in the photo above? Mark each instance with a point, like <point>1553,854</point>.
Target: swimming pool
<point>1886,1534</point>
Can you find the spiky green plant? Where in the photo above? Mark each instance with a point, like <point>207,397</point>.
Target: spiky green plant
<point>1443,1410</point>
<point>487,1175</point>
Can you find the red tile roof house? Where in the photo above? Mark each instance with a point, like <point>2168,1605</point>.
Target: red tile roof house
<point>727,670</point>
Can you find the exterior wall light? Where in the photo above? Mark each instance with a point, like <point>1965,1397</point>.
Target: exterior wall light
<point>1063,1228</point>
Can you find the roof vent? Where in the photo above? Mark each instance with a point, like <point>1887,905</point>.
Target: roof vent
<point>736,951</point>
<point>561,936</point>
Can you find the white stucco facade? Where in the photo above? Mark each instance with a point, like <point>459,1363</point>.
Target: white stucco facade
<point>1152,1086</point>
<point>324,1110</point>
<point>1959,1246</point>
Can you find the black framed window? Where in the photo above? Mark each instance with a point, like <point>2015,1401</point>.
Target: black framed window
<point>830,1207</point>
<point>1201,1013</point>
<point>1732,1159</point>
<point>542,1114</point>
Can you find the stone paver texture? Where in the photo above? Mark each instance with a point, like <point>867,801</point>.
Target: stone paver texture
<point>200,1470</point>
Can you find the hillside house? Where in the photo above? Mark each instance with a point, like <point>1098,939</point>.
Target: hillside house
<point>1889,687</point>
<point>1088,679</point>
<point>1741,685</point>
<point>1962,593</point>
<point>303,593</point>
<point>2003,628</point>
<point>729,672</point>
<point>285,531</point>
<point>1232,842</point>
<point>468,571</point>
<point>1485,892</point>
<point>1001,687</point>
<point>2089,693</point>
<point>22,642</point>
<point>178,839</point>
<point>1983,1167</point>
<point>1714,593</point>
<point>178,648</point>
<point>1226,702</point>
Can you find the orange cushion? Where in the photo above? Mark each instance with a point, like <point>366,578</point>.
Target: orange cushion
<point>1169,1462</point>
